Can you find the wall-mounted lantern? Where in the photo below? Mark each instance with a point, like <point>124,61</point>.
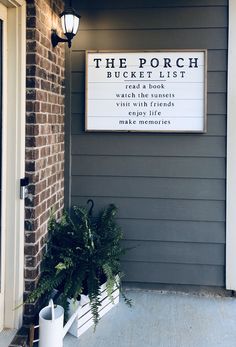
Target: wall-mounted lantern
<point>70,25</point>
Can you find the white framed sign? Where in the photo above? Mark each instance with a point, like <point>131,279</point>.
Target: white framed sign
<point>158,91</point>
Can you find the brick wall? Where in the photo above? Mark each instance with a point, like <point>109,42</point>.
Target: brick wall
<point>44,133</point>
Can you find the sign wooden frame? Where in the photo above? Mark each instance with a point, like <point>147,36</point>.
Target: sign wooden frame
<point>88,90</point>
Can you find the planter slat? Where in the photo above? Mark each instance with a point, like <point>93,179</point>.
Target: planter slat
<point>87,325</point>
<point>84,319</point>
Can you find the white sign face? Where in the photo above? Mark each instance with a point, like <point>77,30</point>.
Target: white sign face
<point>162,91</point>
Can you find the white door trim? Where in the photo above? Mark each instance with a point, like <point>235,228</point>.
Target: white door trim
<point>3,17</point>
<point>14,161</point>
<point>231,154</point>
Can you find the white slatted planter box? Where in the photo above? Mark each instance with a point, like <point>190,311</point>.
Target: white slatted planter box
<point>84,318</point>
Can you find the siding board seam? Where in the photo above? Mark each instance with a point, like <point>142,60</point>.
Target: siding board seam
<point>153,156</point>
<point>176,220</point>
<point>146,198</point>
<point>153,177</point>
<point>135,134</point>
<point>141,156</point>
<point>177,263</point>
<point>155,29</point>
<point>112,9</point>
<point>171,242</point>
<point>172,220</point>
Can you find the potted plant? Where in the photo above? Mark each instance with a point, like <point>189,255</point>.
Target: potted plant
<point>83,254</point>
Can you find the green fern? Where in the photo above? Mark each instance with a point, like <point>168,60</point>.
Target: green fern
<point>82,253</point>
<point>111,282</point>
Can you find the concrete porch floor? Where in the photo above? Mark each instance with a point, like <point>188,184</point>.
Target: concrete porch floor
<point>165,319</point>
<point>6,336</point>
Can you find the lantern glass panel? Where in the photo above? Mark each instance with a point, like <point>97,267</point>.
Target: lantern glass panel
<point>76,25</point>
<point>67,23</point>
<point>63,24</point>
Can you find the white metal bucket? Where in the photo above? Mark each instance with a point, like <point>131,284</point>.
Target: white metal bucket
<point>51,332</point>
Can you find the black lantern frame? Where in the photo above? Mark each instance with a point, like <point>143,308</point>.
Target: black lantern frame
<point>68,32</point>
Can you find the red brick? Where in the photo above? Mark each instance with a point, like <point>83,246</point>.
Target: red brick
<point>32,273</point>
<point>31,22</point>
<point>32,106</point>
<point>33,59</point>
<point>31,46</point>
<point>32,129</point>
<point>44,132</point>
<point>32,82</point>
<point>32,200</point>
<point>30,285</point>
<point>31,249</point>
<point>32,153</point>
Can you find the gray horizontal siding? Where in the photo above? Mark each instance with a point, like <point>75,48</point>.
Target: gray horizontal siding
<point>189,17</point>
<point>175,253</point>
<point>173,231</point>
<point>147,39</point>
<point>132,166</point>
<point>204,275</point>
<point>150,3</point>
<point>152,145</point>
<point>167,209</point>
<point>150,187</point>
<point>216,82</point>
<point>169,188</point>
